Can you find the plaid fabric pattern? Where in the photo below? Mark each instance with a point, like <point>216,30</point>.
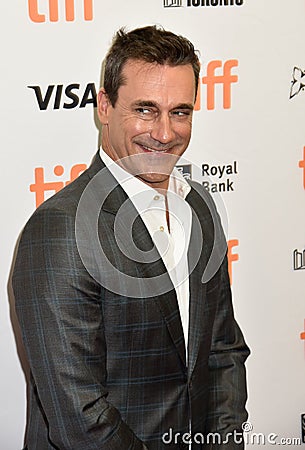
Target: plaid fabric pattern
<point>108,371</point>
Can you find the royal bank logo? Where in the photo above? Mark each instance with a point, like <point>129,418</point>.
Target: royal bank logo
<point>298,82</point>
<point>299,259</point>
<point>172,3</point>
<point>185,170</point>
<point>223,177</point>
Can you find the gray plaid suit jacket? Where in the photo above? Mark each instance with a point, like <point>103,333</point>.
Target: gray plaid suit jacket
<point>108,370</point>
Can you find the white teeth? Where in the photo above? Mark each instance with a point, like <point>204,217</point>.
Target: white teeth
<point>152,150</point>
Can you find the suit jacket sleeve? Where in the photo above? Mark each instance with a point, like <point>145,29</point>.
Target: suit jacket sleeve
<point>59,308</point>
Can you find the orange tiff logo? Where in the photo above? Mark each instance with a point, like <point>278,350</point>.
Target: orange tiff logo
<point>53,15</point>
<point>217,73</point>
<point>232,257</point>
<point>302,166</point>
<point>302,334</point>
<point>40,187</point>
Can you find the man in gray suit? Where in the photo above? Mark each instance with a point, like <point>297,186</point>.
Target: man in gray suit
<point>121,281</point>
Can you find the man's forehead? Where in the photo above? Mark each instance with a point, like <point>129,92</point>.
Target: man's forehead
<point>143,68</point>
<point>164,85</point>
<point>143,75</point>
<point>135,70</point>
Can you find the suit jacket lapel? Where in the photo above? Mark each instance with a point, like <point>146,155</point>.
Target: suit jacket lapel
<point>160,284</point>
<point>157,280</point>
<point>197,258</point>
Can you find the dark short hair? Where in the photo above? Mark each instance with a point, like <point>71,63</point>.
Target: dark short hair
<point>151,44</point>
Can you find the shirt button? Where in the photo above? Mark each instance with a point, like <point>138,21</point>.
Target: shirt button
<point>161,228</point>
<point>156,197</point>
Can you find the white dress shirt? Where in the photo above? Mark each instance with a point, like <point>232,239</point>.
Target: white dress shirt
<point>172,243</point>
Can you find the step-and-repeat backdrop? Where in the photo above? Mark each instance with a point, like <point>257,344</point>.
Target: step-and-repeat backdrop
<point>247,149</point>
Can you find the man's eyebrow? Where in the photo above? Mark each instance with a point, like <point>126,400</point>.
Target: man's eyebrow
<point>146,103</point>
<point>151,104</point>
<point>189,106</point>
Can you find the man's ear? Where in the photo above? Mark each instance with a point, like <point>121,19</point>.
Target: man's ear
<point>103,105</point>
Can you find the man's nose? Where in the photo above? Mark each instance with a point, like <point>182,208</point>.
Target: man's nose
<point>163,129</point>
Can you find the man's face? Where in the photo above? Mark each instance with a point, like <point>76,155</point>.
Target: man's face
<point>152,119</point>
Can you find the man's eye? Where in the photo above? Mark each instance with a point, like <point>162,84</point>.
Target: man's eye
<point>143,111</point>
<point>181,113</point>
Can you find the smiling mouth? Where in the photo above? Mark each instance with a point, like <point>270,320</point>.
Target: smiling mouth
<point>153,150</point>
